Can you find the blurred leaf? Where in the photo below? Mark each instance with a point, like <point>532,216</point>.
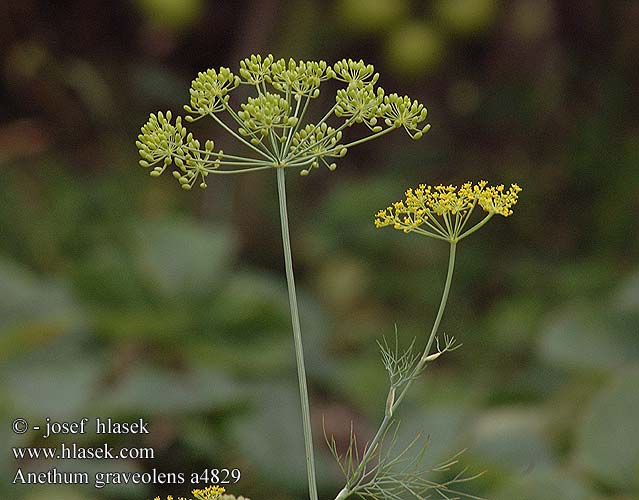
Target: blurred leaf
<point>515,321</point>
<point>513,439</point>
<point>442,425</point>
<point>251,305</point>
<point>607,437</point>
<point>32,311</point>
<point>589,337</point>
<point>107,277</point>
<point>171,324</point>
<point>271,438</point>
<point>584,278</point>
<point>153,390</point>
<point>59,388</point>
<point>544,485</point>
<point>361,382</point>
<point>260,357</point>
<point>315,324</point>
<point>346,219</point>
<point>181,257</point>
<point>627,297</point>
<point>201,436</point>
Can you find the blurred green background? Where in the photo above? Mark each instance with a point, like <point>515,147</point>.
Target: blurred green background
<point>124,296</point>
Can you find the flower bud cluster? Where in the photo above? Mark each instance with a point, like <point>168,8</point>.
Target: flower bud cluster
<point>271,124</point>
<point>405,112</point>
<point>161,141</point>
<point>302,78</point>
<point>350,71</point>
<point>322,141</point>
<point>210,91</point>
<point>262,113</point>
<point>254,70</point>
<point>362,102</point>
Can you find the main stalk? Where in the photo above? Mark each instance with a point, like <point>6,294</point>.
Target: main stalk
<point>297,336</point>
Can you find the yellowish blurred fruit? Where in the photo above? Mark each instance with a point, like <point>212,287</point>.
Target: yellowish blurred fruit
<point>371,15</point>
<point>174,14</point>
<point>467,17</point>
<point>532,19</point>
<point>414,49</point>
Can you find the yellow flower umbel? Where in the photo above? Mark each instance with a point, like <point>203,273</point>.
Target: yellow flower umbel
<point>443,212</point>
<point>208,493</point>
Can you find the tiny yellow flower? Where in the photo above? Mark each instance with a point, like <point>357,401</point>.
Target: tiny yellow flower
<point>442,212</point>
<point>208,493</point>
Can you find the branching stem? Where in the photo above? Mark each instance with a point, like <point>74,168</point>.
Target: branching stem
<point>373,446</point>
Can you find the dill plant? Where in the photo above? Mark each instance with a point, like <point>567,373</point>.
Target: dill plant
<point>444,213</point>
<point>273,132</point>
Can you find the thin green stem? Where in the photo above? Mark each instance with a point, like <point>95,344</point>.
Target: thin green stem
<point>241,139</point>
<point>388,416</point>
<point>297,336</point>
<point>241,163</point>
<point>239,171</point>
<point>429,234</point>
<point>340,147</point>
<point>303,149</point>
<point>476,226</point>
<point>227,156</point>
<point>369,137</point>
<point>296,127</point>
<point>436,222</point>
<point>252,133</point>
<point>440,314</point>
<point>468,214</point>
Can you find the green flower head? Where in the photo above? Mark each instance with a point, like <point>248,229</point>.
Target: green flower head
<point>270,127</point>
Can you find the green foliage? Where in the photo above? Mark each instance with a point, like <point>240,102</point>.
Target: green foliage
<point>545,484</point>
<point>33,311</point>
<point>608,444</point>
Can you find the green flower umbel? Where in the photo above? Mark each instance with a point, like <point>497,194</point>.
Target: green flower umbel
<point>271,125</point>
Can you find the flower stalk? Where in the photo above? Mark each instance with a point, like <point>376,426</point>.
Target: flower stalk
<point>297,337</point>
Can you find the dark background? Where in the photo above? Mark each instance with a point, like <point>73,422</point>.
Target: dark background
<point>124,296</point>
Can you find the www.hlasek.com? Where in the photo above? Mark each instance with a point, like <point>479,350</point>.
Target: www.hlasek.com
<point>72,451</point>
